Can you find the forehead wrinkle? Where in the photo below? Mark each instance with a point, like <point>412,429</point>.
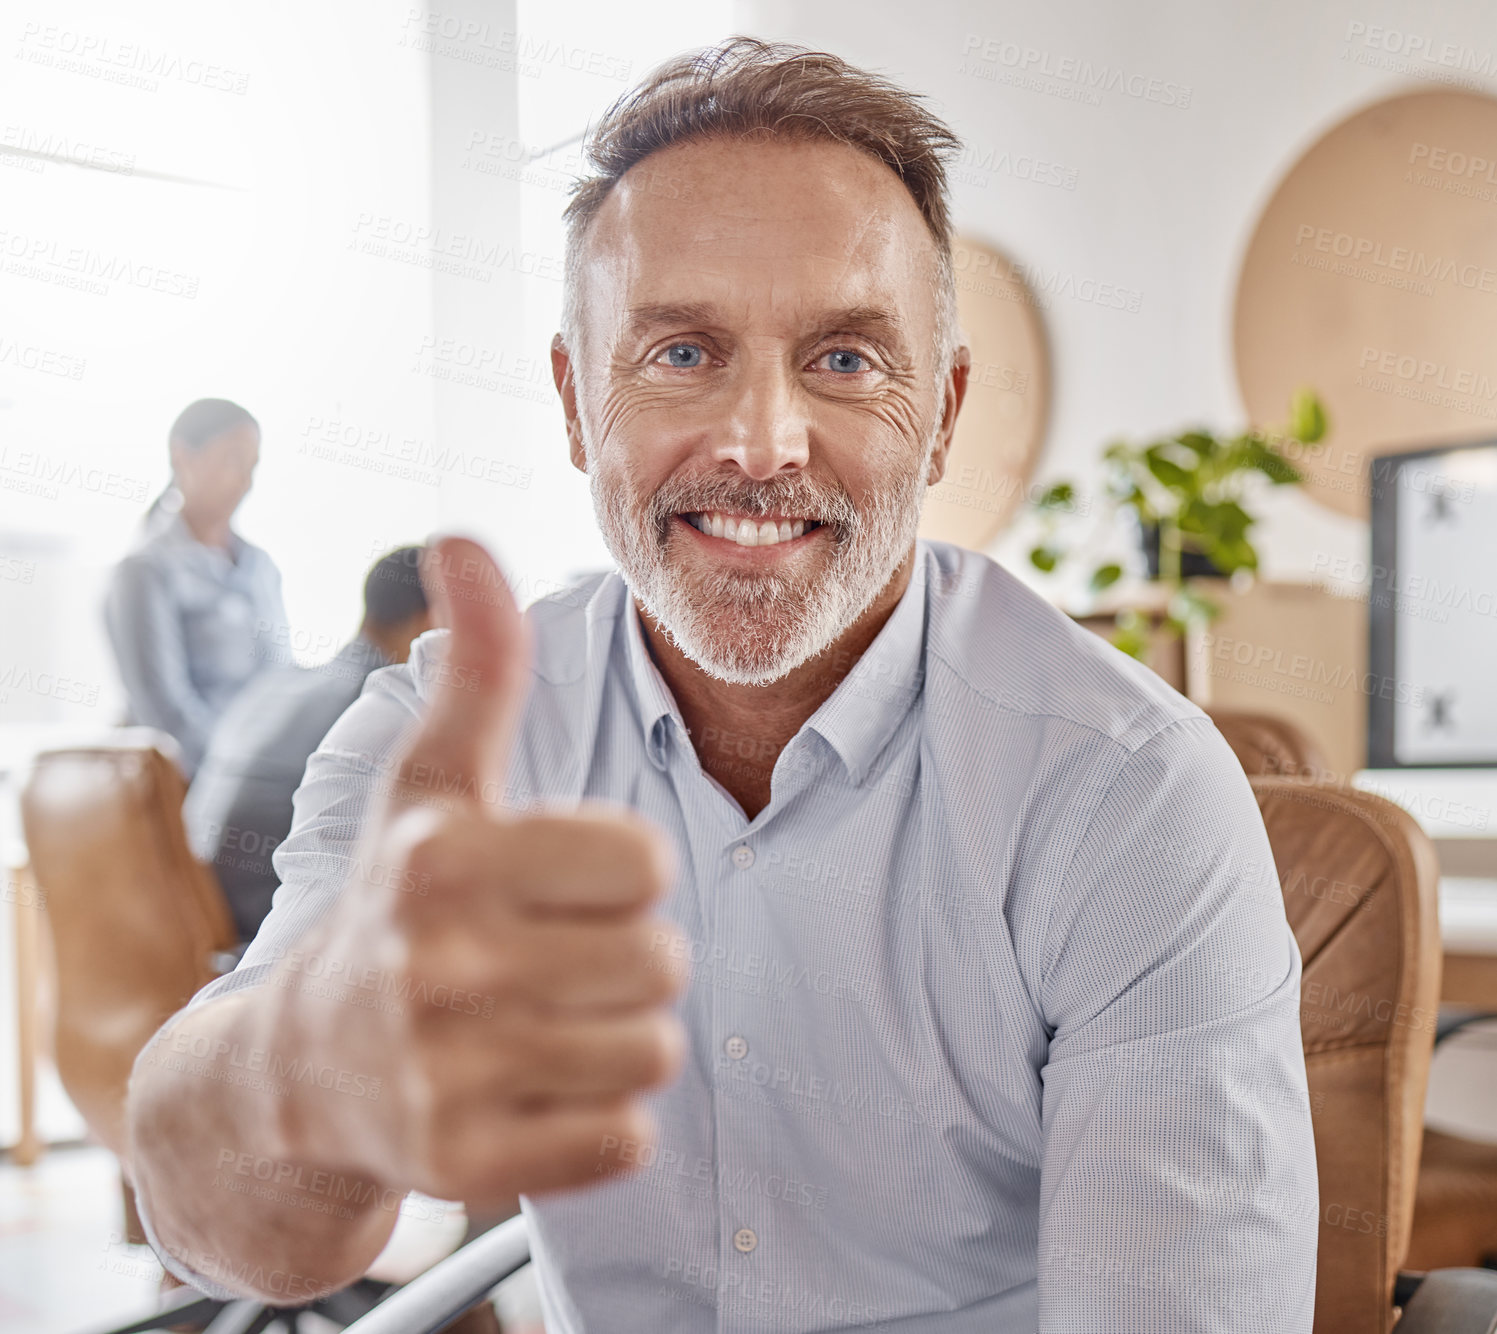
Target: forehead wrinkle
<point>875,320</point>
<point>746,229</point>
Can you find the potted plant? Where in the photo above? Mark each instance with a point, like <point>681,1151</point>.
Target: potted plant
<point>1186,494</point>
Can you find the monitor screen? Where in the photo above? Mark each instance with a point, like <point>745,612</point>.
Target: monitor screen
<point>1433,608</point>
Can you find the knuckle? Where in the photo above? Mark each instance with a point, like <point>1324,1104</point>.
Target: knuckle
<point>662,1051</point>
<point>517,1055</point>
<point>638,850</point>
<point>664,965</point>
<point>428,851</point>
<point>508,974</point>
<point>662,981</point>
<point>649,855</point>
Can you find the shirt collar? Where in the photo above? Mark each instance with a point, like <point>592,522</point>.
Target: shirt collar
<point>870,702</point>
<point>860,715</point>
<point>657,706</point>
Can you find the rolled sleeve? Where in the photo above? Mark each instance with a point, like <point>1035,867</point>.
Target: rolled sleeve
<point>1178,1187</point>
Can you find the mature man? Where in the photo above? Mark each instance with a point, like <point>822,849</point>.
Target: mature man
<point>239,808</point>
<point>967,1006</point>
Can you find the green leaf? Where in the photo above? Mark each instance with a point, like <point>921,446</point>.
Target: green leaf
<point>1198,441</point>
<point>1188,607</point>
<point>1105,576</point>
<point>1307,420</point>
<point>1229,520</point>
<point>1195,516</point>
<point>1131,642</point>
<point>1275,467</point>
<point>1167,472</point>
<point>1044,558</point>
<point>1062,495</point>
<point>1228,557</point>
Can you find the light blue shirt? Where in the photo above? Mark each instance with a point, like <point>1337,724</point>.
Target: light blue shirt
<point>190,624</point>
<point>993,1009</point>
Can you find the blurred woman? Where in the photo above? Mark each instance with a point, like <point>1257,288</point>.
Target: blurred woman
<point>194,610</point>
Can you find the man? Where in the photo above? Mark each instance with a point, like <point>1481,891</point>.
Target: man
<point>238,809</point>
<point>963,1009</point>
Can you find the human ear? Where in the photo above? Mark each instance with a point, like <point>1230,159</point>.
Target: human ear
<point>566,386</point>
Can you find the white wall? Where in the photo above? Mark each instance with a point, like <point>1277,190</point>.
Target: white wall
<point>287,133</point>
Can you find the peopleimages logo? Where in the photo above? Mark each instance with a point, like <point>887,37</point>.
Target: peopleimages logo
<point>1393,259</point>
<point>1033,63</point>
<point>1271,660</point>
<point>1418,48</point>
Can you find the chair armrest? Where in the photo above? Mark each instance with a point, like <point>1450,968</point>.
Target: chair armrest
<point>451,1286</point>
<point>1453,1301</point>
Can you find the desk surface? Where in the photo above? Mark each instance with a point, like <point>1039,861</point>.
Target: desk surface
<point>1468,914</point>
<point>1456,804</point>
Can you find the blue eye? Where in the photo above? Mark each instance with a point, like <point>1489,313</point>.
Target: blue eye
<point>843,356</point>
<point>674,355</point>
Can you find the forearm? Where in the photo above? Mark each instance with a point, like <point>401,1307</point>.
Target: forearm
<point>231,1196</point>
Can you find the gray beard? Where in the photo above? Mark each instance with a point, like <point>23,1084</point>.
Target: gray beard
<point>751,629</point>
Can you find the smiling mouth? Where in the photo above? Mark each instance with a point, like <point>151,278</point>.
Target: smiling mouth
<point>746,530</point>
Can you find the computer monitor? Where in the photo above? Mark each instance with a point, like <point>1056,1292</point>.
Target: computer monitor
<point>1432,653</point>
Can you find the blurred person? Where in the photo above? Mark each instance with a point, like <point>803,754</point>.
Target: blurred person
<point>238,809</point>
<point>881,948</point>
<point>194,611</point>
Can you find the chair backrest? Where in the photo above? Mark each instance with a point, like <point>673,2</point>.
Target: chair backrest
<point>1265,744</point>
<point>1360,880</point>
<point>135,917</point>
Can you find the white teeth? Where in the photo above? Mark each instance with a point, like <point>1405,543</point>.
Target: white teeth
<point>746,532</point>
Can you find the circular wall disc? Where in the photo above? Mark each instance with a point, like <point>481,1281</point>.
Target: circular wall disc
<point>1002,422</point>
<point>1372,278</point>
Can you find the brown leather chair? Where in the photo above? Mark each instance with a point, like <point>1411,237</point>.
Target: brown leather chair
<point>1266,745</point>
<point>1455,1209</point>
<point>136,919</point>
<point>1359,879</point>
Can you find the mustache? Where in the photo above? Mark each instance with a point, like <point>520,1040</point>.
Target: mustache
<point>797,494</point>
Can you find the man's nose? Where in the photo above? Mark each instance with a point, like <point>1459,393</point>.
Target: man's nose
<point>767,428</point>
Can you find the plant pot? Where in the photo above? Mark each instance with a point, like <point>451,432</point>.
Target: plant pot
<point>1193,565</point>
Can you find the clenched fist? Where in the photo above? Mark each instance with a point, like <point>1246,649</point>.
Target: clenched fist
<point>534,992</point>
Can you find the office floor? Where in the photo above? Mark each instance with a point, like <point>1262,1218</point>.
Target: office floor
<point>63,1264</point>
<point>65,1269</point>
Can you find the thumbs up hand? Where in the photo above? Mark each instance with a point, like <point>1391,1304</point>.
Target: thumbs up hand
<point>531,982</point>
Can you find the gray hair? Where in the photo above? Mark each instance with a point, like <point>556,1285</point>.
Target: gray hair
<point>746,88</point>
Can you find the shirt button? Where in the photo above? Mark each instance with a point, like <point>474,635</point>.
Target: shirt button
<point>743,856</point>
<point>745,1240</point>
<point>736,1047</point>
